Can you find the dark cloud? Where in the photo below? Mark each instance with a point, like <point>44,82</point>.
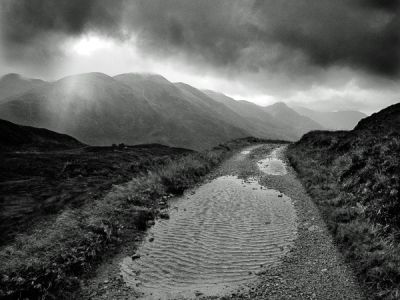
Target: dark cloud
<point>361,34</point>
<point>35,29</point>
<point>341,32</point>
<point>238,35</point>
<point>389,5</point>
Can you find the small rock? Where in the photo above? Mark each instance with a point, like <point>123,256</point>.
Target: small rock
<point>324,270</point>
<point>164,216</point>
<point>151,239</point>
<point>313,228</point>
<point>135,256</point>
<point>197,293</point>
<point>280,195</point>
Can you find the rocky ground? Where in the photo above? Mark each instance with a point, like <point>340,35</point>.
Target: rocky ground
<point>313,269</point>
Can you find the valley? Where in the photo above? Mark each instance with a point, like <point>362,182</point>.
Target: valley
<point>199,150</point>
<point>98,214</point>
<point>121,221</point>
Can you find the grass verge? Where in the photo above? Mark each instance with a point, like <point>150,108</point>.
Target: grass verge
<point>353,177</point>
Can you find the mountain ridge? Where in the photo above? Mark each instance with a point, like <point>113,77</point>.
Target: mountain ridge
<point>135,108</point>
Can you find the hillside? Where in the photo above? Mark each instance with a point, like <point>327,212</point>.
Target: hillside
<point>37,185</point>
<point>338,120</point>
<point>300,124</point>
<point>17,137</point>
<point>262,123</point>
<point>385,121</point>
<point>190,121</point>
<point>14,84</point>
<point>354,177</point>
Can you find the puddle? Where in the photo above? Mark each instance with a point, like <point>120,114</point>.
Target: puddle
<point>218,237</point>
<point>272,164</point>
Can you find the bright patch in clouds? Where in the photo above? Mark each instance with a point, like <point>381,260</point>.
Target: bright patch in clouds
<point>88,44</point>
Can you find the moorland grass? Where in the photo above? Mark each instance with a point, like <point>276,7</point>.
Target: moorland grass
<point>354,179</point>
<point>35,185</point>
<point>49,262</point>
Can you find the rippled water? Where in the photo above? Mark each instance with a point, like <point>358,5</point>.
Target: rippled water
<point>272,164</point>
<point>216,238</point>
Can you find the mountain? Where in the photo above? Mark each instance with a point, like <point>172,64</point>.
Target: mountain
<point>262,123</point>
<point>300,124</point>
<point>134,109</point>
<point>95,108</point>
<point>14,84</point>
<point>17,137</point>
<point>338,120</point>
<point>197,121</point>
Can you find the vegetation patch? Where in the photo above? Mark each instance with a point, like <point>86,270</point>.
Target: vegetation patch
<point>48,262</point>
<point>354,179</point>
<point>36,184</point>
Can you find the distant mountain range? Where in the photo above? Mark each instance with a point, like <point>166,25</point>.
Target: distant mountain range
<point>338,120</point>
<point>133,108</point>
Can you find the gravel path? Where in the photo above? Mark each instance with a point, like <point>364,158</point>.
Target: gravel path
<point>313,269</point>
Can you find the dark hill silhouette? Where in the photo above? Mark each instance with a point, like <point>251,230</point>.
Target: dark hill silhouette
<point>17,137</point>
<point>384,121</point>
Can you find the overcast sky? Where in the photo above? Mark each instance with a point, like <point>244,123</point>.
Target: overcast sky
<point>323,54</point>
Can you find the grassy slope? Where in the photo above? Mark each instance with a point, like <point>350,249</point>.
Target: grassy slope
<point>15,137</point>
<point>48,261</point>
<point>354,179</point>
<point>35,184</point>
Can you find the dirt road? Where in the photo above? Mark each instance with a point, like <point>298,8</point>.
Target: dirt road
<point>248,232</point>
